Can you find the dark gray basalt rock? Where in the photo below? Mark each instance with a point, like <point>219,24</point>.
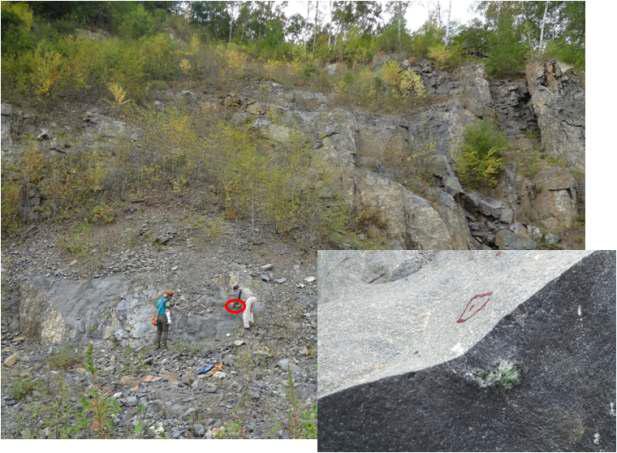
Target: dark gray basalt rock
<point>542,380</point>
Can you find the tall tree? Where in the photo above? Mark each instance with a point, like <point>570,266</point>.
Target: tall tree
<point>398,10</point>
<point>506,51</point>
<point>364,15</point>
<point>296,28</point>
<point>214,16</point>
<point>448,22</point>
<point>536,21</point>
<point>316,24</point>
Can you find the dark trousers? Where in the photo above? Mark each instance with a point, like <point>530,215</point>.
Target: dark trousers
<point>162,327</point>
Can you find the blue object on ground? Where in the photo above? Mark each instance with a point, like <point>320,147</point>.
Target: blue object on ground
<point>205,369</point>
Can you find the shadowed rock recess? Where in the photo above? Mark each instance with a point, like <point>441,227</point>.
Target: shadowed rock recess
<point>543,379</point>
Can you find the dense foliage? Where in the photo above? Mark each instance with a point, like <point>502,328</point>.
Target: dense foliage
<point>123,52</point>
<point>479,161</point>
<point>40,40</point>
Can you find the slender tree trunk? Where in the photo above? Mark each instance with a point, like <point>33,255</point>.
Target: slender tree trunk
<point>399,29</point>
<point>315,30</point>
<point>308,22</point>
<point>542,26</point>
<point>330,28</point>
<point>448,22</point>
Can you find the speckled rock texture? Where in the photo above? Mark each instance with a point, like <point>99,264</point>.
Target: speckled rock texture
<point>376,321</point>
<point>543,379</point>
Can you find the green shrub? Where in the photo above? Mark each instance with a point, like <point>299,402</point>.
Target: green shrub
<point>388,39</point>
<point>136,22</point>
<point>22,387</point>
<point>472,40</point>
<point>506,375</point>
<point>568,53</point>
<point>445,57</point>
<point>232,429</point>
<point>70,65</point>
<point>301,423</point>
<point>103,213</point>
<point>77,241</point>
<point>308,419</point>
<point>428,36</point>
<point>16,25</point>
<point>11,219</point>
<point>215,227</point>
<point>506,53</point>
<point>64,358</point>
<point>99,408</point>
<point>479,162</point>
<point>355,47</point>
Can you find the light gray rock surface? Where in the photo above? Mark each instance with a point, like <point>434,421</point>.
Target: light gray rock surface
<point>368,331</point>
<point>558,99</point>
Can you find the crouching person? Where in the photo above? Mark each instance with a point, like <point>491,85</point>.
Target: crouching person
<point>163,318</point>
<point>247,295</point>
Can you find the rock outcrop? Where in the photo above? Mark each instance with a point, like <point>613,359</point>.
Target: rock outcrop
<point>555,205</point>
<point>400,166</point>
<point>7,111</point>
<point>111,308</point>
<point>558,100</point>
<point>541,378</point>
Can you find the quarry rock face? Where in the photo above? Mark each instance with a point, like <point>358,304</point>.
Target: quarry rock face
<point>372,147</point>
<point>110,308</point>
<point>401,165</point>
<point>558,100</point>
<point>555,205</point>
<point>7,112</point>
<point>410,220</point>
<point>525,363</point>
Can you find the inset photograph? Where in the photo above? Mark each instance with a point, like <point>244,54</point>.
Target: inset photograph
<point>466,351</point>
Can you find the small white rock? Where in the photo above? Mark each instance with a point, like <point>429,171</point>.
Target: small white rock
<point>310,279</point>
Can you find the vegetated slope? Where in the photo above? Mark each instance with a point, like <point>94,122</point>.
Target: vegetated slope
<point>199,97</point>
<point>314,167</point>
<point>543,379</point>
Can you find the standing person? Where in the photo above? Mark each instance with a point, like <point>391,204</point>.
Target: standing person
<point>246,294</point>
<point>162,322</point>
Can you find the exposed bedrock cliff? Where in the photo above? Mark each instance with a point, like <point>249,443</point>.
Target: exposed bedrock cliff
<point>558,100</point>
<point>398,165</point>
<point>542,379</point>
<point>374,147</point>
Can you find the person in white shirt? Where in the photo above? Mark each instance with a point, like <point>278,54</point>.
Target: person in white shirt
<point>248,316</point>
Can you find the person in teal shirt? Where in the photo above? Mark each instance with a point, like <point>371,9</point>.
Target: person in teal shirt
<point>162,324</point>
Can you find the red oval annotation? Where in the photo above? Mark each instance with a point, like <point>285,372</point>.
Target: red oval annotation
<point>232,302</point>
<point>475,304</point>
